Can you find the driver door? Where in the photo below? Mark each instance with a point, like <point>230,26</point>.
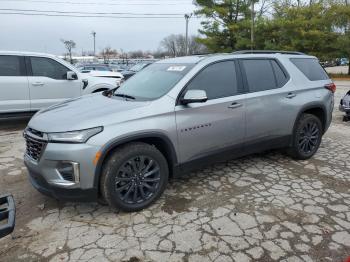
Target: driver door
<point>217,125</point>
<point>48,83</point>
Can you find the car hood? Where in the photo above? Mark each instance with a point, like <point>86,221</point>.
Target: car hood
<point>128,72</point>
<point>86,112</point>
<point>103,74</point>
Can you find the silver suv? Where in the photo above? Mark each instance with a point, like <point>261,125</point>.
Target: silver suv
<point>122,146</point>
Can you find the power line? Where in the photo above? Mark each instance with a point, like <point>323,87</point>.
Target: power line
<point>98,3</point>
<point>89,13</point>
<point>88,16</point>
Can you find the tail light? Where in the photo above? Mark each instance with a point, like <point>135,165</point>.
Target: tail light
<point>331,87</point>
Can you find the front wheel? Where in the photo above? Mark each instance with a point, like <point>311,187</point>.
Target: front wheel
<point>134,177</point>
<point>307,137</point>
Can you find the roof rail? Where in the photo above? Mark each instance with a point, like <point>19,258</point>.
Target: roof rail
<point>268,52</point>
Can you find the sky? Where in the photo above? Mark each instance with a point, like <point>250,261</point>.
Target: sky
<point>38,33</point>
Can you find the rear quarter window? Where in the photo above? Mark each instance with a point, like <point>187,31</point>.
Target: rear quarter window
<point>311,68</point>
<point>261,74</point>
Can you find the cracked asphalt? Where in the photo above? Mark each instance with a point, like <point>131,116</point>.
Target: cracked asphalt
<point>264,207</point>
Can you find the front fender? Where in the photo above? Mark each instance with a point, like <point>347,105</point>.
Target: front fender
<point>119,141</point>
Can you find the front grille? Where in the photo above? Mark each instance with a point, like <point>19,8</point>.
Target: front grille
<point>34,147</point>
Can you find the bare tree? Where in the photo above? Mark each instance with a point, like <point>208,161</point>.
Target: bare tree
<point>169,44</point>
<point>107,53</point>
<point>136,54</point>
<point>159,54</point>
<point>175,45</point>
<point>124,56</point>
<point>194,47</point>
<point>69,45</point>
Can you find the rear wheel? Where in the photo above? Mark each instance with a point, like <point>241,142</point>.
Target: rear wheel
<point>307,137</point>
<point>134,177</point>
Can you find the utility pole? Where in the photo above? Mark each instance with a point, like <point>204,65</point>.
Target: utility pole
<point>252,26</point>
<point>94,35</point>
<point>187,17</point>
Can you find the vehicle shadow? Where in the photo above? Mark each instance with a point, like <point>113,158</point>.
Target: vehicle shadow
<point>14,124</point>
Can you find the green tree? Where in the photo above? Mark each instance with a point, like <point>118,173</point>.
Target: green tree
<point>340,16</point>
<point>304,28</point>
<point>226,27</point>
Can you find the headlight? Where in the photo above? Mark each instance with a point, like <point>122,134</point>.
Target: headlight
<point>80,136</point>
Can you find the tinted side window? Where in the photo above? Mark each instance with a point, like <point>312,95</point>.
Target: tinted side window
<point>260,75</point>
<point>10,65</point>
<point>281,77</point>
<point>311,68</point>
<point>42,66</point>
<point>217,80</point>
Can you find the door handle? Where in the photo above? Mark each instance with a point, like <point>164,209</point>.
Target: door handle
<point>234,105</point>
<point>37,84</point>
<point>291,95</point>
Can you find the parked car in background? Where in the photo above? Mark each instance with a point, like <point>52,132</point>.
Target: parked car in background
<point>118,67</point>
<point>108,74</point>
<point>32,81</point>
<point>94,67</point>
<point>342,61</point>
<point>7,215</point>
<point>133,70</point>
<point>176,115</point>
<point>345,106</point>
<point>328,63</point>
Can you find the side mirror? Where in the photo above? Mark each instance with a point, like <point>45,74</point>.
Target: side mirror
<point>71,75</point>
<point>194,96</point>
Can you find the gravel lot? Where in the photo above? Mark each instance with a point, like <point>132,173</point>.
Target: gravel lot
<point>264,207</point>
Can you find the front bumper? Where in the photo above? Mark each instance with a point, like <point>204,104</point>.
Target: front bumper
<point>45,176</point>
<point>65,194</point>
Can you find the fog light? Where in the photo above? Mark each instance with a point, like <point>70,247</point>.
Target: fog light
<point>69,171</point>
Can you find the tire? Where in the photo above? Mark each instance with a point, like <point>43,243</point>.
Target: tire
<point>307,137</point>
<point>134,167</point>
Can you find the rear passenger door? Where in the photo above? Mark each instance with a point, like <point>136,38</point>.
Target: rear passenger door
<point>219,123</point>
<point>48,83</point>
<point>270,101</point>
<point>14,90</point>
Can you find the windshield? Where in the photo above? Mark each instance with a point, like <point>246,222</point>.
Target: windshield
<point>154,81</point>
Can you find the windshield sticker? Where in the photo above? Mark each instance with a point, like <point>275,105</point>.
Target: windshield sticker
<point>176,68</point>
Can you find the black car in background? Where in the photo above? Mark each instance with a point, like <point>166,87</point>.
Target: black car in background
<point>7,215</point>
<point>345,106</point>
<point>133,70</point>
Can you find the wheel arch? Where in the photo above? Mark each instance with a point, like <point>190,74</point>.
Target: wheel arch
<point>315,109</point>
<point>159,140</point>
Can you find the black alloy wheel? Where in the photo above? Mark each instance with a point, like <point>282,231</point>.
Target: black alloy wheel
<point>308,137</point>
<point>134,176</point>
<point>137,179</point>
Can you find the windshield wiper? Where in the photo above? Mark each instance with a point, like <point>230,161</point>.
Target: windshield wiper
<point>125,96</point>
